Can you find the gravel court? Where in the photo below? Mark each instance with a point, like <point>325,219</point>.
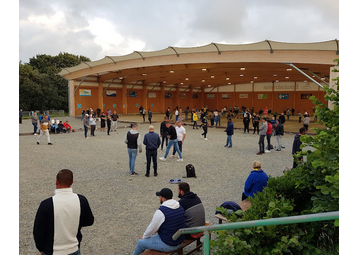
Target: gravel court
<point>123,205</point>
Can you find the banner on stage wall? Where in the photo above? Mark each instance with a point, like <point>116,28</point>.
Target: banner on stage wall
<point>244,96</point>
<point>85,92</point>
<point>210,96</point>
<point>262,96</point>
<point>133,94</point>
<point>111,93</point>
<point>168,95</point>
<point>306,96</point>
<point>182,95</point>
<point>283,96</point>
<point>152,95</point>
<point>225,96</point>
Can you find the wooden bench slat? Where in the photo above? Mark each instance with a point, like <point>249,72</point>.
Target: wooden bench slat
<point>178,251</point>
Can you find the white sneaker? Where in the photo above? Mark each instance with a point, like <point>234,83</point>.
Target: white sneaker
<point>267,151</point>
<point>206,139</point>
<point>180,160</point>
<point>35,134</point>
<point>162,159</point>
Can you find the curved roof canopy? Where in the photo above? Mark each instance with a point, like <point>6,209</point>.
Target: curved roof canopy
<point>212,65</point>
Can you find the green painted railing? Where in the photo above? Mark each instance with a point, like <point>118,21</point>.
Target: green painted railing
<point>255,223</point>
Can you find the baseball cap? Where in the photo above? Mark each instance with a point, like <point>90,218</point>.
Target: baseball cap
<point>166,193</point>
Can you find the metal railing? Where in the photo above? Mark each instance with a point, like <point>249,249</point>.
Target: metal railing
<point>255,223</point>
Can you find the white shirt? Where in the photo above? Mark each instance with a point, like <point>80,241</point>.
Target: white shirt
<point>180,133</point>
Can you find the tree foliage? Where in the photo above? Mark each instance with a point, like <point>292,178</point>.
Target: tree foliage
<point>312,187</point>
<point>40,87</point>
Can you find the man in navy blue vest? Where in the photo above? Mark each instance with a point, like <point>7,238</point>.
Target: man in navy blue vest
<point>167,220</point>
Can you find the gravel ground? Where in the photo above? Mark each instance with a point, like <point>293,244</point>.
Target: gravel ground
<point>123,206</point>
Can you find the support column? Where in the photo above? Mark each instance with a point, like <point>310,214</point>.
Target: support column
<point>124,99</point>
<point>100,97</point>
<point>71,98</point>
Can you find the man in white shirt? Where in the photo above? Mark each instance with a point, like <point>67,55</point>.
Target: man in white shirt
<point>166,221</point>
<point>181,133</point>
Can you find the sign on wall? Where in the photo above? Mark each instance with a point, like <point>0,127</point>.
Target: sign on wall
<point>244,96</point>
<point>85,92</point>
<point>306,96</point>
<point>168,95</point>
<point>195,96</point>
<point>282,96</point>
<point>225,96</point>
<point>210,96</point>
<point>262,96</point>
<point>152,95</point>
<point>133,94</point>
<point>111,93</point>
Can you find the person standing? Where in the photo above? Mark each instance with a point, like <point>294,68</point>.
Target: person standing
<point>288,113</point>
<point>193,208</point>
<point>166,221</point>
<point>143,114</point>
<point>176,113</point>
<point>204,124</point>
<point>44,130</point>
<point>279,134</point>
<point>255,123</point>
<point>173,141</point>
<point>195,119</point>
<point>181,133</point>
<point>246,122</point>
<point>263,131</point>
<point>229,132</point>
<point>59,219</point>
<point>34,120</point>
<point>299,117</point>
<point>86,124</point>
<point>152,142</point>
<point>103,121</point>
<point>186,112</point>
<point>164,132</point>
<point>114,118</point>
<point>92,122</point>
<point>108,124</point>
<point>134,142</point>
<point>306,122</point>
<point>296,146</point>
<point>282,118</point>
<point>268,135</point>
<point>150,115</point>
<point>20,116</point>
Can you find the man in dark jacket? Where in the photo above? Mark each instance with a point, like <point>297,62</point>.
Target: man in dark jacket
<point>152,142</point>
<point>173,141</point>
<point>229,132</point>
<point>193,207</point>
<point>59,219</point>
<point>164,132</point>
<point>296,145</point>
<point>279,134</point>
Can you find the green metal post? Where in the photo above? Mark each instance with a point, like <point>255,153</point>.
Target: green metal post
<point>206,243</point>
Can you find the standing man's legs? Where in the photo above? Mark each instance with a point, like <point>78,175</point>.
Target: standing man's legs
<point>262,143</point>
<point>278,138</point>
<point>268,138</point>
<point>35,127</point>
<point>132,153</point>
<point>86,130</point>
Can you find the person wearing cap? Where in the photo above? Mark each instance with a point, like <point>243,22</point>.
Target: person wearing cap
<point>86,124</point>
<point>255,182</point>
<point>173,141</point>
<point>166,221</point>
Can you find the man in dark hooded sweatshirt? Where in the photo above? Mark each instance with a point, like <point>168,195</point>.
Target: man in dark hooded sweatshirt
<point>296,145</point>
<point>193,208</point>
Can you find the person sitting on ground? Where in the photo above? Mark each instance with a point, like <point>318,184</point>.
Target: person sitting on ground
<point>67,126</point>
<point>166,221</point>
<point>255,182</point>
<point>193,207</point>
<point>61,127</point>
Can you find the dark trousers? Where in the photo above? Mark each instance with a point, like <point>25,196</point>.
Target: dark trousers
<point>256,127</point>
<point>246,127</point>
<point>180,145</point>
<point>93,128</point>
<point>305,126</point>
<point>164,137</point>
<point>86,130</point>
<point>243,197</point>
<point>262,143</point>
<point>109,128</point>
<point>151,154</point>
<point>268,138</point>
<point>205,128</point>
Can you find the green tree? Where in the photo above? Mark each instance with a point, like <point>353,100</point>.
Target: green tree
<point>40,87</point>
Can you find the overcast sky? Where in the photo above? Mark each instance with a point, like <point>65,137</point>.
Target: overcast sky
<point>118,27</point>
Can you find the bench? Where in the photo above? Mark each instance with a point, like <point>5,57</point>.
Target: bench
<point>179,251</point>
<point>244,206</point>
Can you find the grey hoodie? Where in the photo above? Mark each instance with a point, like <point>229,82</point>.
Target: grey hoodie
<point>139,141</point>
<point>263,128</point>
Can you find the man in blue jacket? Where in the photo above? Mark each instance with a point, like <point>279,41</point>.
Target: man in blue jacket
<point>229,131</point>
<point>152,143</point>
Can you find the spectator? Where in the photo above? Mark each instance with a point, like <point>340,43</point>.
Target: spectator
<point>108,124</point>
<point>150,115</point>
<point>67,126</point>
<point>143,114</point>
<point>85,124</point>
<point>164,132</point>
<point>268,135</point>
<point>299,117</point>
<point>255,182</point>
<point>204,125</point>
<point>176,114</point>
<point>195,119</point>
<point>229,132</point>
<point>61,127</point>
<point>92,122</point>
<point>133,141</point>
<point>152,142</point>
<point>255,123</point>
<point>306,122</point>
<point>279,134</point>
<point>193,207</point>
<point>20,116</point>
<point>246,122</point>
<point>296,147</point>
<point>282,118</point>
<point>103,121</point>
<point>181,133</point>
<point>59,219</point>
<point>167,220</point>
<point>114,118</point>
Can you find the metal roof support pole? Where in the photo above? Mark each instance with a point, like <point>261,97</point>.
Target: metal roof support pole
<point>109,85</point>
<point>309,77</point>
<point>271,51</point>
<point>158,83</point>
<point>79,84</point>
<point>172,87</point>
<point>308,70</point>
<point>216,48</point>
<point>132,87</point>
<point>174,50</point>
<point>185,90</point>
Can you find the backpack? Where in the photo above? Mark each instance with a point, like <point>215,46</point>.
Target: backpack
<point>190,171</point>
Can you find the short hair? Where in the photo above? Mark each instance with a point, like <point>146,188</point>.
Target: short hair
<point>302,129</point>
<point>151,127</point>
<point>184,187</point>
<point>134,125</point>
<point>65,177</point>
<point>256,164</point>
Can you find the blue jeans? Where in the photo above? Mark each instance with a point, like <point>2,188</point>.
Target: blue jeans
<point>228,141</point>
<point>86,130</point>
<point>35,127</point>
<point>170,144</point>
<point>180,145</point>
<point>132,155</point>
<point>155,243</point>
